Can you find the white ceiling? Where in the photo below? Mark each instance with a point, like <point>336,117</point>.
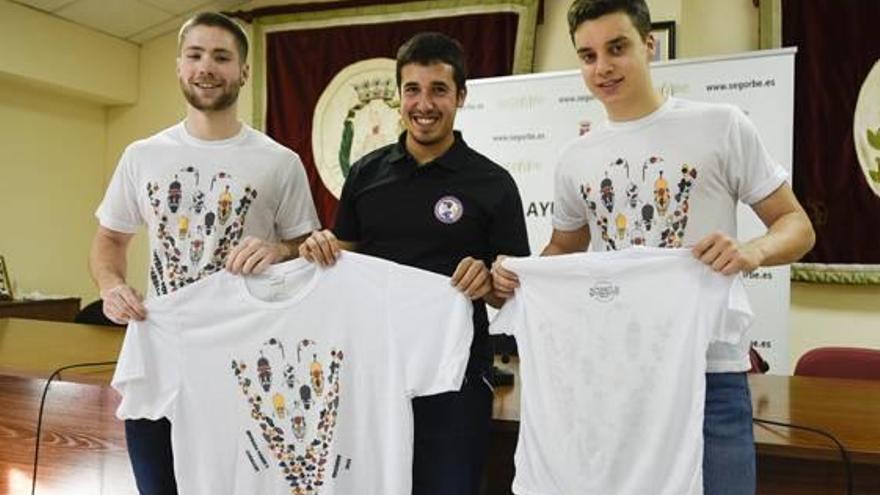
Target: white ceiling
<point>137,21</point>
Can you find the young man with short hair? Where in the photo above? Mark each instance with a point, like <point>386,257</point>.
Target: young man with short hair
<point>431,202</point>
<point>212,192</point>
<point>669,173</point>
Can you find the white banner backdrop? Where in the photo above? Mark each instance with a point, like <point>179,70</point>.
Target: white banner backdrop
<point>522,122</point>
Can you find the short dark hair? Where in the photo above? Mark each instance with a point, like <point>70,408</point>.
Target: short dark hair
<point>218,20</point>
<point>587,10</point>
<point>429,48</point>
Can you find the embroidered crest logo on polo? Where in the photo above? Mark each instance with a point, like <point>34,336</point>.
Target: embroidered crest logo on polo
<point>448,209</point>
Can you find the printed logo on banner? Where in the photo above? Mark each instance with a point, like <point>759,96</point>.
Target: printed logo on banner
<point>866,128</point>
<point>584,126</point>
<point>448,209</point>
<point>668,88</point>
<point>522,102</point>
<point>356,114</point>
<point>523,166</point>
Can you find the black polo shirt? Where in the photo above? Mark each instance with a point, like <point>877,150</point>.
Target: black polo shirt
<point>432,216</point>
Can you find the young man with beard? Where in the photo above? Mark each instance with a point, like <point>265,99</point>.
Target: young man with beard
<point>431,202</point>
<point>713,158</point>
<point>213,194</point>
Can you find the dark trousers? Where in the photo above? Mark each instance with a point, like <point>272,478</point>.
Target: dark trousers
<point>149,448</point>
<point>452,439</point>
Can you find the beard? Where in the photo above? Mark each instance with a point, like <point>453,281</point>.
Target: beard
<point>222,102</point>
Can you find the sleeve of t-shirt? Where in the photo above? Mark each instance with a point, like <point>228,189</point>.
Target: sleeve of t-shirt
<point>507,232</point>
<point>119,209</point>
<point>569,213</point>
<point>296,213</point>
<point>736,315</point>
<point>752,172</point>
<point>511,316</point>
<point>147,373</point>
<point>431,330</point>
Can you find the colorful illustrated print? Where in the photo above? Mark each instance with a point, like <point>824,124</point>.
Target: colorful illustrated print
<point>297,433</point>
<point>607,193</point>
<point>193,237</point>
<point>648,212</point>
<point>661,194</point>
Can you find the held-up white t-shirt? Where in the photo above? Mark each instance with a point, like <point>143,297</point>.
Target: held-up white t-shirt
<point>666,180</point>
<point>612,350</point>
<point>299,380</point>
<point>199,198</point>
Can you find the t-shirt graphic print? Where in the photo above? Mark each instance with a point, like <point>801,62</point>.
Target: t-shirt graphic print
<point>190,217</point>
<point>641,204</point>
<point>294,408</point>
<point>297,381</point>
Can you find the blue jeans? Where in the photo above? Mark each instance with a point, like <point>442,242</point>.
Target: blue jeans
<point>149,448</point>
<point>729,444</point>
<point>452,439</point>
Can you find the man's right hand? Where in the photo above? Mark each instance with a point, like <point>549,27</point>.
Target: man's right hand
<point>123,304</point>
<point>504,281</point>
<point>321,247</point>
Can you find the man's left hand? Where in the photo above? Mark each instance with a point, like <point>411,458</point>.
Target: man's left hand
<point>253,255</point>
<point>724,254</point>
<point>472,278</point>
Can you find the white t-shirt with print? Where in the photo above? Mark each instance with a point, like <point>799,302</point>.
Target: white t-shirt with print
<point>299,380</point>
<point>666,180</point>
<point>612,350</point>
<point>199,198</point>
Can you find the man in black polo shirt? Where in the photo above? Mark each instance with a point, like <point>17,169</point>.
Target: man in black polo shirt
<point>431,202</point>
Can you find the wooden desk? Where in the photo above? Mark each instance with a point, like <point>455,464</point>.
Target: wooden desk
<point>44,309</point>
<point>83,446</point>
<point>36,348</point>
<point>789,461</point>
<point>804,463</point>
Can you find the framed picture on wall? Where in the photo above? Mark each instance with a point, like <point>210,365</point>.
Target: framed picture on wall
<point>664,40</point>
<point>5,283</point>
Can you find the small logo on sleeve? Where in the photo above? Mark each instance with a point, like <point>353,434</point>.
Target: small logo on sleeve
<point>448,209</point>
<point>604,291</point>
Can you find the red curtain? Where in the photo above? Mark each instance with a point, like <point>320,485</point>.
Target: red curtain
<point>301,62</point>
<point>838,43</point>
